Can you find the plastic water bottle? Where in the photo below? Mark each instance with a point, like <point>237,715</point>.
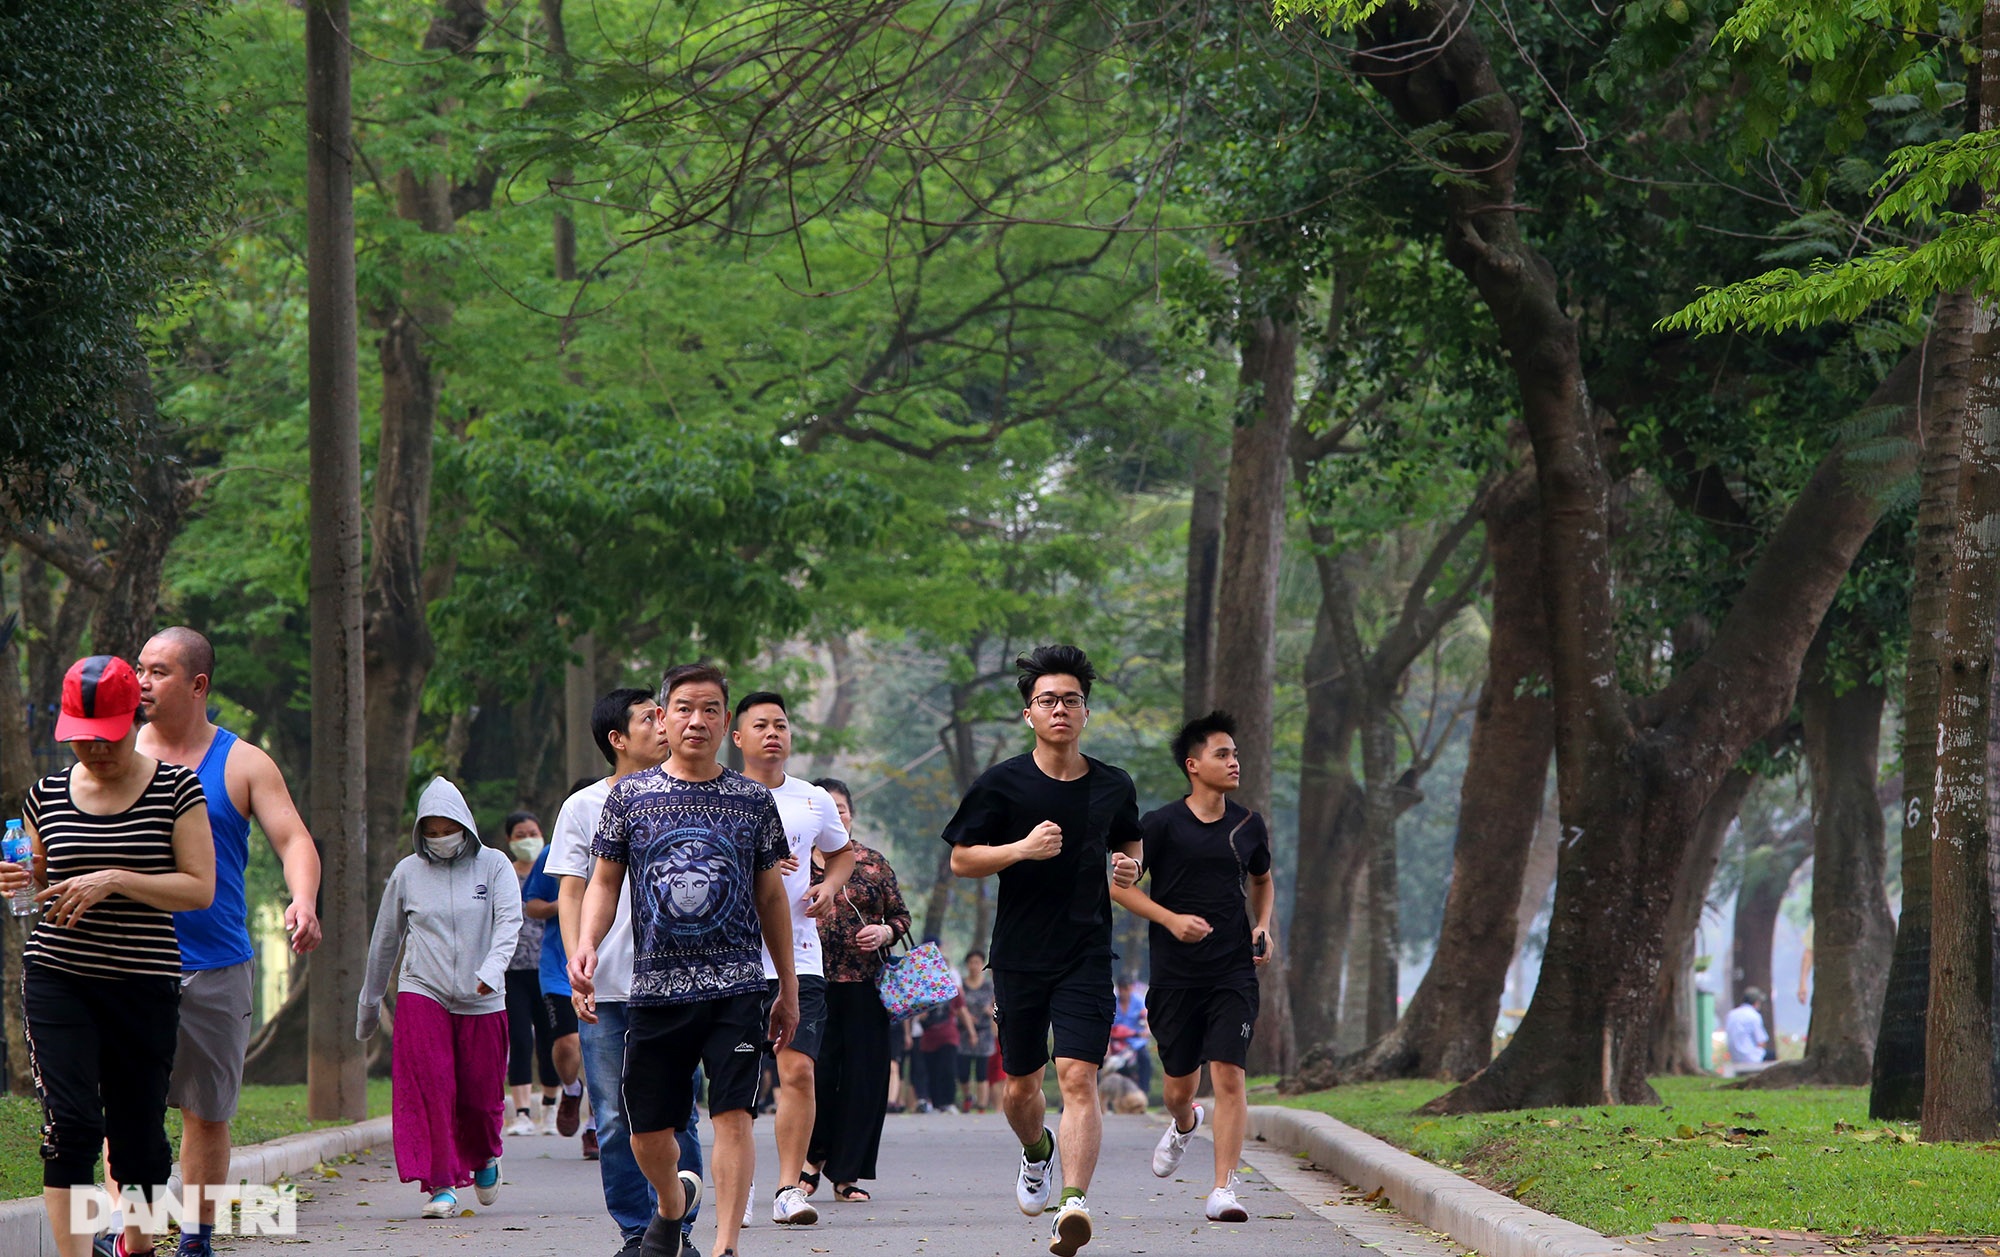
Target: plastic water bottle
<point>15,850</point>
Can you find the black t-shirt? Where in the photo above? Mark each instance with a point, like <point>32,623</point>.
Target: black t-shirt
<point>1052,912</point>
<point>1198,868</point>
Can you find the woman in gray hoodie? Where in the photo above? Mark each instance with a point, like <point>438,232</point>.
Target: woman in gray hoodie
<point>453,909</point>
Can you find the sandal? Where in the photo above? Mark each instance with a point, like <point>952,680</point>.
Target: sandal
<point>809,1183</point>
<point>851,1193</point>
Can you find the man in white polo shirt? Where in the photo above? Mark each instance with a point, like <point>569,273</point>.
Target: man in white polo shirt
<point>764,734</point>
<point>626,725</point>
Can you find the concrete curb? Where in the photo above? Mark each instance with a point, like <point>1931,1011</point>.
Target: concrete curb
<point>1481,1219</point>
<point>24,1226</point>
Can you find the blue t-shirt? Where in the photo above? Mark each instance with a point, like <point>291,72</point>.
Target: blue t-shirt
<point>554,963</point>
<point>692,851</point>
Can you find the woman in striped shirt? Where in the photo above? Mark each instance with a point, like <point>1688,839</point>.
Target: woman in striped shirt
<point>121,843</point>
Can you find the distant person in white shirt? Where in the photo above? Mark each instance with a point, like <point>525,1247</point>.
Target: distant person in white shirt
<point>1745,1029</point>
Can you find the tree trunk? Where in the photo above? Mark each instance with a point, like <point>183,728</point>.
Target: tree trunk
<point>581,758</point>
<point>1673,1036</point>
<point>1330,848</point>
<point>1853,929</point>
<point>1384,799</point>
<point>1352,1034</point>
<point>1958,1029</point>
<point>399,643</point>
<point>1247,605</point>
<point>400,650</point>
<point>1204,561</point>
<point>1536,886</point>
<point>1896,1091</point>
<point>1447,1028</point>
<point>336,1085</point>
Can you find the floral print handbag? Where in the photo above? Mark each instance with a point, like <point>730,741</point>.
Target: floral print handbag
<point>912,983</point>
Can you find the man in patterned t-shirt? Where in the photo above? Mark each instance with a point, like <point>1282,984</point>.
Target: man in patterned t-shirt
<point>702,846</point>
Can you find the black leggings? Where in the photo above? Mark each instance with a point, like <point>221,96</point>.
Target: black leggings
<point>102,1050</point>
<point>531,1032</point>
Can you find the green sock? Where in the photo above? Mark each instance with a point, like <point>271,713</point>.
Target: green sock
<point>1042,1148</point>
<point>1068,1192</point>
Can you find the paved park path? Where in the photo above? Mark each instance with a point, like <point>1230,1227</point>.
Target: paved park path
<point>947,1190</point>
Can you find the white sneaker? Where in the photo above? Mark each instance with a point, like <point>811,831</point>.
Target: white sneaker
<point>1071,1229</point>
<point>442,1205</point>
<point>791,1208</point>
<point>1031,1188</point>
<point>521,1125</point>
<point>691,1190</point>
<point>750,1203</point>
<point>1223,1205</point>
<point>1173,1145</point>
<point>547,1126</point>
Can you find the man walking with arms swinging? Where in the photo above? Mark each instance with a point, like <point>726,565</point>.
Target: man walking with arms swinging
<point>1044,823</point>
<point>241,784</point>
<point>702,845</point>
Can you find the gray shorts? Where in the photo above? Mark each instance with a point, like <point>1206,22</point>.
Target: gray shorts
<point>215,1033</point>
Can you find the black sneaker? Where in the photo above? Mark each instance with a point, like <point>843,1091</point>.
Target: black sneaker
<point>662,1239</point>
<point>631,1248</point>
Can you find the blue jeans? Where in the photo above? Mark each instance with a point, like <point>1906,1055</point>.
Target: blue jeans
<point>628,1197</point>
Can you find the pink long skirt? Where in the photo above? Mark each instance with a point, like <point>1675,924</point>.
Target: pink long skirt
<point>448,1073</point>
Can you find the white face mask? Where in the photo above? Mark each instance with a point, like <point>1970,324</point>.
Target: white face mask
<point>447,848</point>
<point>526,848</point>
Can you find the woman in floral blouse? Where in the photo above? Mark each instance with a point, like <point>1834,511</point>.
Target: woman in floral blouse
<point>853,1068</point>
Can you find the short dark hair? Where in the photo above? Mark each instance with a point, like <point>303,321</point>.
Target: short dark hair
<point>967,957</point>
<point>613,714</point>
<point>513,819</point>
<point>1056,660</point>
<point>1194,736</point>
<point>692,674</point>
<point>195,650</point>
<point>584,782</point>
<point>758,697</point>
<point>834,785</point>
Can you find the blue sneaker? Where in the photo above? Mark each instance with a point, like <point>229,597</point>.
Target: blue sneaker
<point>194,1246</point>
<point>486,1182</point>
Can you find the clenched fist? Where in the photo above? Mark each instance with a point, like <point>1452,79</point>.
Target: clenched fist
<point>1044,842</point>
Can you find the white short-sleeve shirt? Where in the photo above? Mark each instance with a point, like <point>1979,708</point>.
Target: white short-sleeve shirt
<point>569,856</point>
<point>811,820</point>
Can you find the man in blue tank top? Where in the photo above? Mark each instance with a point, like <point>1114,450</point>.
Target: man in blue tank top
<point>242,784</point>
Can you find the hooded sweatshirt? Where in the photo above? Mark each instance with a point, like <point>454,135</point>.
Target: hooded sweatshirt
<point>455,920</point>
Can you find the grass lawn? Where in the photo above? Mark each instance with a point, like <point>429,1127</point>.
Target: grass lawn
<point>265,1113</point>
<point>1806,1159</point>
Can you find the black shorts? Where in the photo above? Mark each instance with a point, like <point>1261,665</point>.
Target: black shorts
<point>1076,1004</point>
<point>562,1014</point>
<point>1193,1025</point>
<point>664,1043</point>
<point>812,1013</point>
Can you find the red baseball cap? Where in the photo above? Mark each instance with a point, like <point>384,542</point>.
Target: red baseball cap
<point>100,697</point>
